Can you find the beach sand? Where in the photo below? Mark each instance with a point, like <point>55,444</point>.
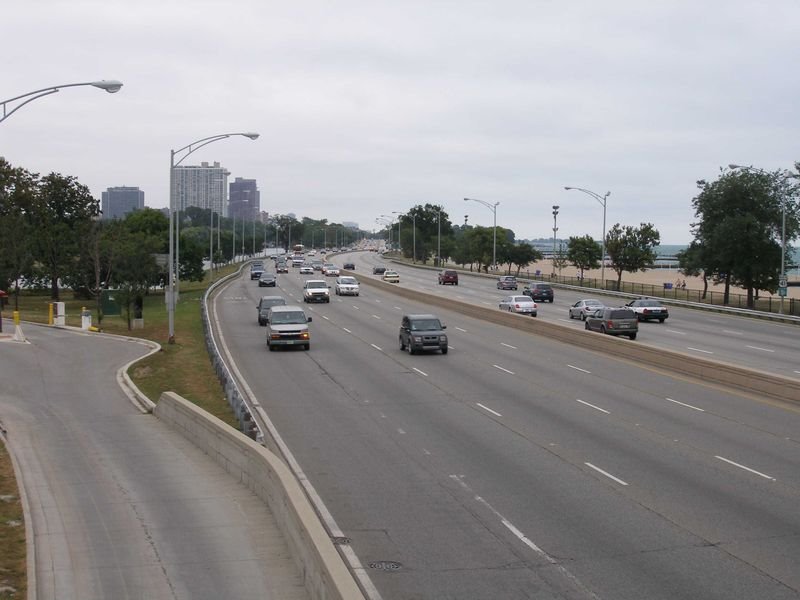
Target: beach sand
<point>655,277</point>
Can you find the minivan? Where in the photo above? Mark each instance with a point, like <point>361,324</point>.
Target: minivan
<point>540,292</point>
<point>288,326</point>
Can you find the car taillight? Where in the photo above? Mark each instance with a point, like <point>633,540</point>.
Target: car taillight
<point>610,324</point>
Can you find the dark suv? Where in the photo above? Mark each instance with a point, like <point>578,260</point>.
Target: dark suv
<point>540,292</point>
<point>378,270</point>
<point>422,332</point>
<point>448,276</point>
<point>614,321</point>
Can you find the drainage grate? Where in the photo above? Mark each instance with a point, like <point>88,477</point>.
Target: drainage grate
<point>340,541</point>
<point>385,565</point>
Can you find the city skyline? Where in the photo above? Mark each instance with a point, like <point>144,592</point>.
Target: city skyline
<point>371,108</point>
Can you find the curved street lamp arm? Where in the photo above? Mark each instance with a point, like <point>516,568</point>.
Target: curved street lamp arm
<point>196,145</point>
<point>489,205</point>
<point>596,196</point>
<point>111,86</point>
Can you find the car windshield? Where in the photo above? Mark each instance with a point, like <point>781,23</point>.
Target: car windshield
<point>316,284</point>
<point>348,280</point>
<point>519,299</point>
<point>426,325</point>
<point>288,318</point>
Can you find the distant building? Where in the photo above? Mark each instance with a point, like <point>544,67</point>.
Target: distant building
<point>203,186</point>
<point>244,200</point>
<point>116,202</point>
<point>350,224</point>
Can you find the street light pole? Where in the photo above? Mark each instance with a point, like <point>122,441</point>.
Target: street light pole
<point>172,274</point>
<point>111,86</point>
<point>439,237</point>
<point>493,208</point>
<point>555,230</point>
<point>603,201</point>
<point>781,288</point>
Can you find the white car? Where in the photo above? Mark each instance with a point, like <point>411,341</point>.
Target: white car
<point>347,286</point>
<point>306,270</point>
<point>583,308</point>
<point>330,270</point>
<point>519,304</point>
<point>316,290</point>
<point>391,276</point>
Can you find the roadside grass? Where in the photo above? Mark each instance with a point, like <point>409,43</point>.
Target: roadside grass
<point>183,367</point>
<point>13,574</point>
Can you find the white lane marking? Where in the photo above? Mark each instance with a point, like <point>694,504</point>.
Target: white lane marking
<point>487,303</point>
<point>733,332</point>
<point>524,539</point>
<point>502,369</point>
<point>375,316</point>
<point>759,348</point>
<point>459,297</point>
<point>356,307</point>
<point>797,371</point>
<point>400,431</point>
<point>425,452</point>
<point>377,347</point>
<point>463,330</point>
<point>686,405</point>
<point>487,409</point>
<point>676,331</point>
<point>735,464</point>
<point>593,406</point>
<point>347,330</point>
<point>398,308</point>
<point>609,475</point>
<point>579,369</point>
<point>699,350</point>
<point>565,320</point>
<point>378,301</point>
<point>508,346</point>
<point>423,373</point>
<point>326,318</point>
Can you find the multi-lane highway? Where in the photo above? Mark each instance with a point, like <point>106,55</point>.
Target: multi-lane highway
<point>520,467</point>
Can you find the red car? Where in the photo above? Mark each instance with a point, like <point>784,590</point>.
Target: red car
<point>448,276</point>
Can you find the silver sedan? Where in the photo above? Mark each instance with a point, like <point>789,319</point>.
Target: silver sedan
<point>519,304</point>
<point>583,308</point>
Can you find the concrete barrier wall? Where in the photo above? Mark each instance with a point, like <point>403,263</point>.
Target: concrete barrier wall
<point>324,572</point>
<point>750,380</point>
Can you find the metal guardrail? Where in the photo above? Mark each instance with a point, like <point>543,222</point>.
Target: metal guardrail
<point>236,399</point>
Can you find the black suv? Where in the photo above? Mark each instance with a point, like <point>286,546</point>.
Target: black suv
<point>422,332</point>
<point>378,270</point>
<point>540,292</point>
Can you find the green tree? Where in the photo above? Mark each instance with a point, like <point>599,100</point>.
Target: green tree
<point>691,261</point>
<point>631,248</point>
<point>584,253</point>
<point>134,268</point>
<point>61,215</point>
<point>740,219</point>
<point>17,192</point>
<point>520,255</point>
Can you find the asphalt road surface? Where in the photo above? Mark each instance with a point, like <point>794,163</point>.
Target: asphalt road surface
<point>122,507</point>
<point>518,467</point>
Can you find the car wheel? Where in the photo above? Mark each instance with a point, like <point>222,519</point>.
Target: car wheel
<point>402,345</point>
<point>307,347</point>
<point>444,350</point>
<point>602,329</point>
<point>410,348</point>
<point>632,336</point>
<point>271,348</point>
<point>661,320</point>
<point>327,300</point>
<point>586,326</point>
<point>639,318</point>
<point>533,314</point>
<point>583,317</point>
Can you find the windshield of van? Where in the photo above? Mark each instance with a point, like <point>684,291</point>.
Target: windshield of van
<point>289,318</point>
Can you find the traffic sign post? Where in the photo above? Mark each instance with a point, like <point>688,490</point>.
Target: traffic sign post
<point>782,292</point>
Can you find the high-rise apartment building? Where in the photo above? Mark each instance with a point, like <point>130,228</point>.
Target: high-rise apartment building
<point>116,202</point>
<point>244,200</point>
<point>203,186</point>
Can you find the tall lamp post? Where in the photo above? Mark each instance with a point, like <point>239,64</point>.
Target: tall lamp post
<point>172,274</point>
<point>782,282</point>
<point>398,225</point>
<point>439,237</point>
<point>555,231</point>
<point>111,86</point>
<point>602,200</point>
<point>493,208</point>
<point>413,233</point>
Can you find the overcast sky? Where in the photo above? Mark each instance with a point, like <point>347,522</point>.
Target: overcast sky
<point>370,107</point>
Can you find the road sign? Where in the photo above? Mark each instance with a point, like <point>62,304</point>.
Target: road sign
<point>782,291</point>
<point>782,282</point>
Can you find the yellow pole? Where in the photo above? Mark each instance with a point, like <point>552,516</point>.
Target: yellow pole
<point>16,317</point>
<point>50,314</point>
